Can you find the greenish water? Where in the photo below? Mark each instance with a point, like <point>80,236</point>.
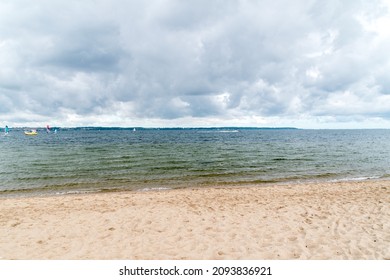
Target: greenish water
<point>91,160</point>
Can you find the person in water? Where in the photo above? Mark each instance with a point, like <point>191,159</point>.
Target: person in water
<point>6,129</point>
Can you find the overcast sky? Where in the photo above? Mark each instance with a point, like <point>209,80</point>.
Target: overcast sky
<point>302,63</point>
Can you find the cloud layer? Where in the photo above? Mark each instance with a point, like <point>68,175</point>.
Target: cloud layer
<point>195,63</point>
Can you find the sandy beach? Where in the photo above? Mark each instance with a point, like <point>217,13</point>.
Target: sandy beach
<point>343,220</point>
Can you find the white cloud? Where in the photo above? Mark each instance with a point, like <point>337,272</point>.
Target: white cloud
<point>166,63</point>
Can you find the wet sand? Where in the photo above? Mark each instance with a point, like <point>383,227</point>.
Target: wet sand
<point>343,220</point>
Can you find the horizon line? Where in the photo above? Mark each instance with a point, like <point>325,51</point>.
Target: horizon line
<point>189,128</point>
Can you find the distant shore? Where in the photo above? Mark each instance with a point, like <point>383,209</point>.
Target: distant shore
<point>100,128</point>
<point>343,220</point>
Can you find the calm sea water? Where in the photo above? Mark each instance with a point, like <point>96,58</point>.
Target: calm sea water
<point>77,160</point>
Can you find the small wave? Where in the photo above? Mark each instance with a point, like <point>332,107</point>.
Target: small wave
<point>291,159</point>
<point>154,189</point>
<point>356,179</point>
<point>74,192</point>
<point>228,131</point>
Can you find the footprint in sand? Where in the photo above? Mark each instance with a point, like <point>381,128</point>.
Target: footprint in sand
<point>308,221</point>
<point>292,238</point>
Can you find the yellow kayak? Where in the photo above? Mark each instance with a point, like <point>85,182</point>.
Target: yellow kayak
<point>31,133</point>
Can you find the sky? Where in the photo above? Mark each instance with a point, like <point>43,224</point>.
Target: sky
<point>196,63</point>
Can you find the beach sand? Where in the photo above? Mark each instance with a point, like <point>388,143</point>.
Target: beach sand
<point>343,220</point>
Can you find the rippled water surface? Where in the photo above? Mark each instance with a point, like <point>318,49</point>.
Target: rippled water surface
<point>83,160</point>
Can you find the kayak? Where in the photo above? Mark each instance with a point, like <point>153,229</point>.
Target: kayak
<point>30,133</point>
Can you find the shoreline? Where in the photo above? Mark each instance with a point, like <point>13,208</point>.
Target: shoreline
<point>31,193</point>
<point>324,220</point>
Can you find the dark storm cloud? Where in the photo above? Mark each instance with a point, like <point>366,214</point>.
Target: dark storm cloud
<point>87,51</point>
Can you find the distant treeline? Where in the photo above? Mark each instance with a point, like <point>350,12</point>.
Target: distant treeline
<point>181,128</point>
<point>156,128</point>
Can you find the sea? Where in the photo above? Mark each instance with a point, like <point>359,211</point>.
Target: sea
<point>93,159</point>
